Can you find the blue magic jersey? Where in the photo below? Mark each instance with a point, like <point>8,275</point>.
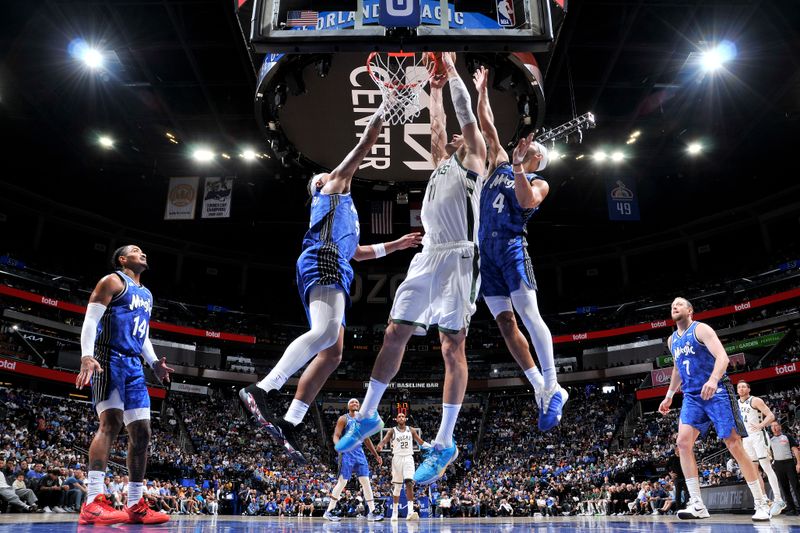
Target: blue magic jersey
<point>358,453</point>
<point>126,321</point>
<point>329,243</point>
<point>695,363</point>
<point>501,214</point>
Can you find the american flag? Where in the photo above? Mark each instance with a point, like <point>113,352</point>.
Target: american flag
<point>382,218</point>
<point>296,19</point>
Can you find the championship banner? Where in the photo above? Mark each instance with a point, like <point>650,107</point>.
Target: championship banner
<point>217,198</point>
<point>623,203</point>
<point>181,198</point>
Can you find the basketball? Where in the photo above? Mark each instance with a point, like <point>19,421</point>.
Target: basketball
<point>433,61</point>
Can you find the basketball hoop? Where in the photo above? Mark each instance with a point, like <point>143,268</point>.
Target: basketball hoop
<point>401,76</point>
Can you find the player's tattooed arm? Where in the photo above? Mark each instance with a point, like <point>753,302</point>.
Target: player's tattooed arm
<point>374,251</point>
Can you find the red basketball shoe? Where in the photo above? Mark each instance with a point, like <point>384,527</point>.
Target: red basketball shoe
<point>142,514</point>
<point>101,512</point>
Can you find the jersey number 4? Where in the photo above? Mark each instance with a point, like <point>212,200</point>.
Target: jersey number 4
<point>139,327</point>
<point>499,202</point>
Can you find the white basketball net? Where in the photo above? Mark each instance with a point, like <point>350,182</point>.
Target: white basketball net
<point>401,76</point>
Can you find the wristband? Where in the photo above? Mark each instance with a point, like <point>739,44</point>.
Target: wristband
<point>379,250</point>
<point>670,393</point>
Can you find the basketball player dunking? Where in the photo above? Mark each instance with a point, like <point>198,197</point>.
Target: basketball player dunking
<point>324,275</point>
<point>402,438</point>
<point>443,280</point>
<point>757,416</point>
<point>708,398</point>
<point>510,196</point>
<point>115,333</point>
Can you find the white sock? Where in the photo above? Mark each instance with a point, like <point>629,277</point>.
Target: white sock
<point>535,377</point>
<point>94,485</point>
<point>375,392</point>
<point>368,497</point>
<point>449,417</point>
<point>135,490</point>
<point>394,508</point>
<point>296,411</point>
<point>693,486</point>
<point>326,311</point>
<point>755,488</point>
<point>525,304</point>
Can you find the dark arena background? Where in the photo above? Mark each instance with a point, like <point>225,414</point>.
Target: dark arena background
<point>190,128</point>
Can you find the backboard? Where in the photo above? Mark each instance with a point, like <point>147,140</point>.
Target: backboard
<point>319,26</point>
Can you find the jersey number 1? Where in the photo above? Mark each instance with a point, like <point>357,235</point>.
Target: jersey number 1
<point>139,327</point>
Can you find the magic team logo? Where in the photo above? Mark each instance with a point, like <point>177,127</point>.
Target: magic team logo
<point>686,349</point>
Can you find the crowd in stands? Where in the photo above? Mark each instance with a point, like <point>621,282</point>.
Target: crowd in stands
<point>206,458</point>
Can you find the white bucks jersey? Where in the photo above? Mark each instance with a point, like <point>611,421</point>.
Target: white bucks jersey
<point>750,415</point>
<point>402,442</point>
<point>452,204</point>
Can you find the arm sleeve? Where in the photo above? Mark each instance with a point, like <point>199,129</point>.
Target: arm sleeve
<point>461,102</point>
<point>148,352</point>
<point>94,312</point>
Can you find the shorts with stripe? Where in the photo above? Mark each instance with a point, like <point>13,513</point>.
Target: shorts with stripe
<point>121,386</point>
<point>505,266</point>
<point>323,265</point>
<point>440,288</point>
<point>756,444</point>
<point>722,410</point>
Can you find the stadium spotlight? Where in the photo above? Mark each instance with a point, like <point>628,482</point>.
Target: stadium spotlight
<point>106,142</point>
<point>600,156</point>
<point>88,55</point>
<point>248,155</point>
<point>694,148</point>
<point>617,156</point>
<point>203,155</point>
<point>714,58</point>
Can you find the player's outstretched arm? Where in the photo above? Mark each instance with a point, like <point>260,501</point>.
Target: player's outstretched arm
<point>529,194</point>
<point>438,120</point>
<point>475,159</point>
<point>708,336</point>
<point>347,168</point>
<point>101,296</point>
<point>495,153</point>
<point>374,251</point>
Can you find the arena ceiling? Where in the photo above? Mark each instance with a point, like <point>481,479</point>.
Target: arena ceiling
<point>182,68</point>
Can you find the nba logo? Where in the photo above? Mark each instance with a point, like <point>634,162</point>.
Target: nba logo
<point>505,13</point>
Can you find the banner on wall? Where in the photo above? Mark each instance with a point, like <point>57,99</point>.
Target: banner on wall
<point>623,202</point>
<point>217,198</point>
<point>181,198</point>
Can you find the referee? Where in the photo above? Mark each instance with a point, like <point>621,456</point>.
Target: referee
<point>787,466</point>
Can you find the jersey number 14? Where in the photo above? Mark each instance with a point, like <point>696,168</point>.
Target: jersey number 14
<point>139,327</point>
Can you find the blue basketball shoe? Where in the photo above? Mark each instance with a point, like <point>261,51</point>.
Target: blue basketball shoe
<point>551,406</point>
<point>359,431</point>
<point>436,462</point>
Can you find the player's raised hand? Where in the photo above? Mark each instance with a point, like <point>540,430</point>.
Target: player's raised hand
<point>664,407</point>
<point>162,371</point>
<point>521,149</point>
<point>480,79</point>
<point>411,240</point>
<point>89,366</point>
<point>709,388</point>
